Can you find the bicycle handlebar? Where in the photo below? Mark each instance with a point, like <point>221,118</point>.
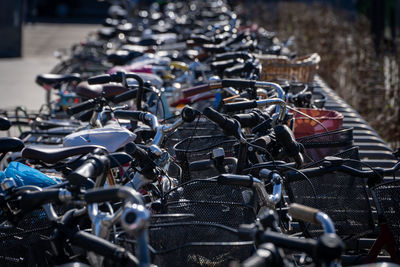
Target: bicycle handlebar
<point>292,148</point>
<point>230,126</point>
<point>88,104</point>
<point>311,215</point>
<point>334,164</point>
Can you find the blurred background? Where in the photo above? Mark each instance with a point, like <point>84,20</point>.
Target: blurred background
<point>358,41</point>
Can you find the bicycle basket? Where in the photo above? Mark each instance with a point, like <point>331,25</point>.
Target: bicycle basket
<point>387,197</point>
<point>192,243</point>
<point>210,201</point>
<point>196,128</point>
<point>302,69</point>
<point>318,146</point>
<point>200,148</point>
<point>27,242</point>
<point>304,126</point>
<point>342,196</point>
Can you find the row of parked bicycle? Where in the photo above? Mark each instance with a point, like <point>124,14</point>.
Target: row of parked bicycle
<point>177,135</point>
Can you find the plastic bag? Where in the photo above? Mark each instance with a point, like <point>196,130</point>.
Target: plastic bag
<point>25,175</point>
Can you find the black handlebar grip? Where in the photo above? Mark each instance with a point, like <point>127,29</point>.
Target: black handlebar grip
<point>292,148</point>
<point>92,168</point>
<point>238,83</point>
<point>99,79</point>
<point>232,55</point>
<point>125,96</point>
<point>234,70</point>
<point>5,124</point>
<point>221,65</point>
<point>103,247</point>
<point>286,139</point>
<point>235,179</point>
<point>131,115</point>
<point>215,116</point>
<point>201,39</point>
<point>33,199</point>
<point>81,107</point>
<point>102,195</point>
<point>145,162</point>
<point>248,120</point>
<point>232,107</point>
<point>189,114</point>
<point>231,127</point>
<point>138,153</point>
<point>281,240</point>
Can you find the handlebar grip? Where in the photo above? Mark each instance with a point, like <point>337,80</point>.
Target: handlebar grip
<point>189,114</point>
<point>145,162</point>
<point>303,213</point>
<point>236,179</point>
<point>5,124</point>
<point>231,127</point>
<point>285,137</point>
<point>222,65</point>
<point>232,55</point>
<point>81,107</point>
<point>234,70</point>
<point>200,39</point>
<point>232,107</point>
<point>103,247</point>
<point>125,96</point>
<point>196,90</point>
<point>99,79</point>
<point>92,168</point>
<point>33,199</point>
<point>102,195</point>
<point>238,83</point>
<point>248,120</point>
<point>215,116</point>
<point>131,115</point>
<point>281,240</point>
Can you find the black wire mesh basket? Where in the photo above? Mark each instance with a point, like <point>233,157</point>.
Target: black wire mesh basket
<point>26,243</point>
<point>198,148</point>
<point>199,127</point>
<point>213,202</point>
<point>318,146</point>
<point>183,242</point>
<point>340,195</point>
<point>387,197</point>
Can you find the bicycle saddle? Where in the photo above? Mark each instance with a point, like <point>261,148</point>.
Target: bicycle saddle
<point>8,144</point>
<point>5,124</point>
<point>53,155</point>
<point>86,90</point>
<point>49,79</point>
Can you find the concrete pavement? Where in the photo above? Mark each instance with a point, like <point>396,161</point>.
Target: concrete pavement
<point>17,75</point>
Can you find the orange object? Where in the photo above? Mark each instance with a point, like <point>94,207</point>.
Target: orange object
<point>303,126</point>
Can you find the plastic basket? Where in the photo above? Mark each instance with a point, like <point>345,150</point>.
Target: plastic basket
<point>318,146</point>
<point>301,69</point>
<point>303,126</point>
<point>387,196</point>
<point>342,196</point>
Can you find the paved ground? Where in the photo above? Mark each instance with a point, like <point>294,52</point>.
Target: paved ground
<point>17,76</point>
